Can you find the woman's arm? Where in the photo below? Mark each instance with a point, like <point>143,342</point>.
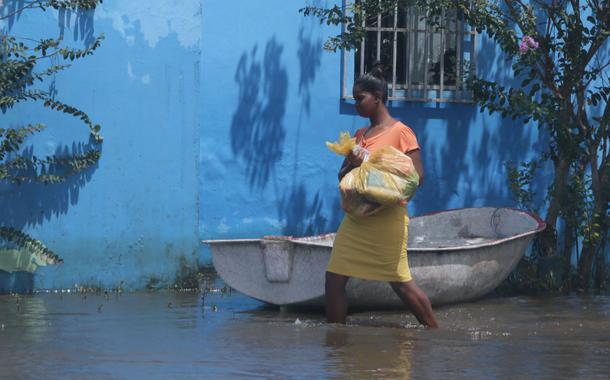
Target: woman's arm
<point>352,161</point>
<point>346,167</point>
<point>419,167</point>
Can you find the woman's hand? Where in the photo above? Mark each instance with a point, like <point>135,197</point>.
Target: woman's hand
<point>357,156</point>
<point>354,159</point>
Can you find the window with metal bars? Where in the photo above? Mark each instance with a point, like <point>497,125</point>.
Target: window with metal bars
<point>424,62</point>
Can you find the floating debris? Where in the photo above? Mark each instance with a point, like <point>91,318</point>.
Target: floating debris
<point>99,308</point>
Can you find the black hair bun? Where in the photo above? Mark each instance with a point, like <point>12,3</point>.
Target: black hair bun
<point>377,70</point>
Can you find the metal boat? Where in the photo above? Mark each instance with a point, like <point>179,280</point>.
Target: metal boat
<point>454,256</point>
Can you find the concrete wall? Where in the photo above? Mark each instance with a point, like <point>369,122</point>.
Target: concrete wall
<point>215,115</point>
<point>272,97</point>
<point>134,217</point>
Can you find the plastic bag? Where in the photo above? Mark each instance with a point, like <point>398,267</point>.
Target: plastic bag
<point>344,145</point>
<point>387,178</point>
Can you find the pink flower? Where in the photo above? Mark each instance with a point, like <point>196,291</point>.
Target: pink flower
<point>522,48</point>
<point>527,44</point>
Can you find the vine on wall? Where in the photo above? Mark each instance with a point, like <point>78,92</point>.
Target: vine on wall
<point>25,63</point>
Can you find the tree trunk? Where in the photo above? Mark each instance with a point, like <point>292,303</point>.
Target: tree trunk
<point>599,183</point>
<point>600,267</point>
<point>548,237</point>
<point>566,256</point>
<point>600,260</point>
<point>590,248</point>
<point>585,264</point>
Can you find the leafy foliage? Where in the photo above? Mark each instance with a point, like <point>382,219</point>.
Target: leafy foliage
<point>520,181</point>
<point>35,247</point>
<point>25,62</point>
<point>560,55</point>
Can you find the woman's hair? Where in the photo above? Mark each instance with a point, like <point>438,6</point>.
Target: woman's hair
<point>373,81</point>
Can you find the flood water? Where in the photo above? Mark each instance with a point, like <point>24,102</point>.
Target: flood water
<point>167,335</point>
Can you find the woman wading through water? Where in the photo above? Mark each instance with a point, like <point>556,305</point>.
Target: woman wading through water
<point>375,247</point>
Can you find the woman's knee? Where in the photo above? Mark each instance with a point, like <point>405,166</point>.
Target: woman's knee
<point>408,290</point>
<point>335,282</point>
<point>402,287</point>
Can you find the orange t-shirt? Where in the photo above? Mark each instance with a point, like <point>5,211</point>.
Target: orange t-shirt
<point>398,135</point>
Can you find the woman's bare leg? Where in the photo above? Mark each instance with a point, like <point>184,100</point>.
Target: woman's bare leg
<point>417,301</point>
<point>336,299</point>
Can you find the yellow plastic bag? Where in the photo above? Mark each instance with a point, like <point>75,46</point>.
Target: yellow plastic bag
<point>387,178</point>
<point>344,145</point>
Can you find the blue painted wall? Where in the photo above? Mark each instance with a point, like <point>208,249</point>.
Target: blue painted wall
<point>272,97</point>
<point>214,116</point>
<point>134,217</point>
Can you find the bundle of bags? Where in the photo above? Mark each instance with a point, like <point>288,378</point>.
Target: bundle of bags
<point>386,178</point>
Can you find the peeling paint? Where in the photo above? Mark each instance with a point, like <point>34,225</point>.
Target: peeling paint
<point>114,222</point>
<point>156,19</point>
<point>223,227</point>
<point>275,223</point>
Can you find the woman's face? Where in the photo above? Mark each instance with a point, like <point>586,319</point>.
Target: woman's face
<point>366,102</point>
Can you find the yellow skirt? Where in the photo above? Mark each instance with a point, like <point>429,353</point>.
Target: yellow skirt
<point>373,247</point>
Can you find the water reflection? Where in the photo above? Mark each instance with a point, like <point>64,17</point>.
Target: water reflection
<point>176,335</point>
<point>24,318</point>
<point>358,353</point>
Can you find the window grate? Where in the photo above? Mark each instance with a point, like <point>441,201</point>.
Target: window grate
<point>427,61</point>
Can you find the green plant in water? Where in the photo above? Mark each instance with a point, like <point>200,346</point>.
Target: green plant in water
<point>559,54</point>
<point>25,62</point>
<point>520,182</point>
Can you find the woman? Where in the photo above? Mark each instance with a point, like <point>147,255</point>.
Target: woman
<point>375,247</point>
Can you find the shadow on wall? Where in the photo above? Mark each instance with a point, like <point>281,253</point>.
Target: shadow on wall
<point>10,8</point>
<point>83,27</point>
<point>304,213</point>
<point>30,204</point>
<point>464,159</point>
<point>310,56</point>
<point>16,282</point>
<point>258,135</point>
<point>513,142</point>
<point>257,132</point>
<point>301,216</point>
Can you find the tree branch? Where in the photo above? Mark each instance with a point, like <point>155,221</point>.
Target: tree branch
<point>29,5</point>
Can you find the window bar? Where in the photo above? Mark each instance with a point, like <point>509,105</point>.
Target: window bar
<point>363,44</point>
<point>426,57</point>
<point>345,57</point>
<point>408,35</point>
<point>442,56</point>
<point>473,53</point>
<point>379,37</point>
<point>345,68</point>
<point>411,31</point>
<point>394,48</point>
<point>459,36</point>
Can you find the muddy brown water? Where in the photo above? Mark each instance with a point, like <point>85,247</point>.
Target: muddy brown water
<point>170,335</point>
